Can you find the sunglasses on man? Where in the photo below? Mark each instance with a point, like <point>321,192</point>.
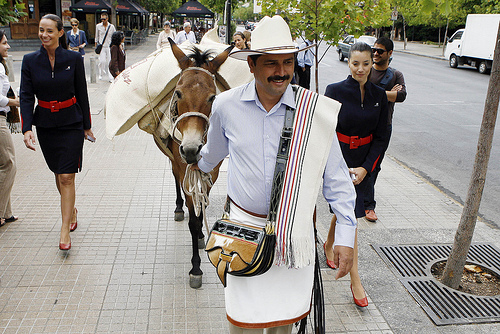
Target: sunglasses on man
<point>103,19</point>
<point>74,25</point>
<point>377,50</point>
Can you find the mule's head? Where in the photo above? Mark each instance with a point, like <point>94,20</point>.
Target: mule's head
<point>192,98</point>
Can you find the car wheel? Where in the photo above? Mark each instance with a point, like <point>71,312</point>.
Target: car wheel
<point>482,68</point>
<point>453,61</point>
<point>341,55</point>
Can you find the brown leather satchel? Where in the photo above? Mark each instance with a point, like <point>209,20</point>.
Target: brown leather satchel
<point>13,115</point>
<point>240,249</point>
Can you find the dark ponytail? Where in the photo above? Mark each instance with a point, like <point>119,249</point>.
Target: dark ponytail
<point>2,60</point>
<point>59,24</point>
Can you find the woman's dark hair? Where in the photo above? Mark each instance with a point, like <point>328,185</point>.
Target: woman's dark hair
<point>2,60</point>
<point>243,37</point>
<point>360,47</point>
<point>116,38</point>
<point>59,25</point>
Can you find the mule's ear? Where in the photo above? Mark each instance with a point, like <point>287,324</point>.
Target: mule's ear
<point>184,62</point>
<point>214,65</point>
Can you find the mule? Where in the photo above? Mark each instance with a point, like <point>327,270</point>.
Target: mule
<point>189,112</point>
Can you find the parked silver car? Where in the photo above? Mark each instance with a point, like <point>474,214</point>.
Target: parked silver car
<point>344,46</point>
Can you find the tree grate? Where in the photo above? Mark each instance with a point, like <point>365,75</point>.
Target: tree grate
<point>445,306</point>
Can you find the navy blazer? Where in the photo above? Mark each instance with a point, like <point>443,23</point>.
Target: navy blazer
<point>361,118</point>
<point>61,84</point>
<point>75,41</point>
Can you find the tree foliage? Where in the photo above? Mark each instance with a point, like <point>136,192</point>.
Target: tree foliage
<point>329,20</point>
<point>436,13</point>
<point>9,13</point>
<point>161,6</point>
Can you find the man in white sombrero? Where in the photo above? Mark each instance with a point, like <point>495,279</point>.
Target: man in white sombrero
<point>246,124</point>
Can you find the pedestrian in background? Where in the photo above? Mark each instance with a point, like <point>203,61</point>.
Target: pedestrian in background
<point>185,35</point>
<point>361,130</point>
<point>393,82</point>
<point>103,33</point>
<point>76,38</point>
<point>305,61</point>
<point>55,76</point>
<point>7,152</point>
<point>164,35</point>
<point>240,41</point>
<point>117,62</point>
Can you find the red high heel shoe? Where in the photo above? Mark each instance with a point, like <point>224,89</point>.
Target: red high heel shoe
<point>64,246</point>
<point>74,225</point>
<point>329,263</point>
<point>363,302</point>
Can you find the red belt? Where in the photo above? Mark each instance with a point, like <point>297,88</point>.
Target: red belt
<point>55,106</point>
<point>354,141</point>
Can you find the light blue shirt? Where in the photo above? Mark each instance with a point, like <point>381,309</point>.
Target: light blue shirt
<point>305,57</point>
<point>183,36</point>
<point>241,128</point>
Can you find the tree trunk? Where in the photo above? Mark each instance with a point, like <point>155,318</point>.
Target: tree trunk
<point>454,266</point>
<point>446,34</point>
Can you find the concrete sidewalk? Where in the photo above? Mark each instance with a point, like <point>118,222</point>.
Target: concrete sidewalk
<point>417,48</point>
<point>127,271</point>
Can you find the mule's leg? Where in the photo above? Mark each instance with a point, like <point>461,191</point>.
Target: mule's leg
<point>195,274</point>
<point>179,203</point>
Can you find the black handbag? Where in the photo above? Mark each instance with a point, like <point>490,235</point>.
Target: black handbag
<point>98,47</point>
<point>241,250</point>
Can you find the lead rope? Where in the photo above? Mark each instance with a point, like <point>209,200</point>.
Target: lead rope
<point>196,184</point>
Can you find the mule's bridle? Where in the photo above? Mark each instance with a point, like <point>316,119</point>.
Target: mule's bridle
<point>174,114</point>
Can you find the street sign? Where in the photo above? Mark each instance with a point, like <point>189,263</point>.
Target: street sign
<point>394,15</point>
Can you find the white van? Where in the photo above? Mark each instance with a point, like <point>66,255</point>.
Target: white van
<point>475,44</point>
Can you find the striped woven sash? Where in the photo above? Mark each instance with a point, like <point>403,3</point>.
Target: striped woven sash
<point>313,132</point>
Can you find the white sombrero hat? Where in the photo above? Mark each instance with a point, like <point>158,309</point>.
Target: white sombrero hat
<point>272,36</point>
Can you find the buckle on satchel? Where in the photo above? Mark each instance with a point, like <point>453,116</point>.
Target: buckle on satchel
<point>225,257</point>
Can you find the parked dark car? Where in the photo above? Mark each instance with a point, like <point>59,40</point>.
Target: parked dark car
<point>344,46</point>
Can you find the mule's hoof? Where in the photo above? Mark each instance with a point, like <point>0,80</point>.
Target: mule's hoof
<point>179,216</point>
<point>195,281</point>
<point>201,243</point>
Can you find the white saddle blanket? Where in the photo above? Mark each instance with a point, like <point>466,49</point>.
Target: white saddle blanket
<point>141,93</point>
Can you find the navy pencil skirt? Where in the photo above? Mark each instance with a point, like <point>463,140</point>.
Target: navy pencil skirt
<point>62,147</point>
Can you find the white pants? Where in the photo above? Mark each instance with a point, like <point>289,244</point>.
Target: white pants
<point>104,59</point>
<point>287,329</point>
<point>7,168</point>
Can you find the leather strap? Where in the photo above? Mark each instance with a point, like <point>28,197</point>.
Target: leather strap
<point>281,160</point>
<point>227,208</point>
<point>354,141</point>
<point>55,106</point>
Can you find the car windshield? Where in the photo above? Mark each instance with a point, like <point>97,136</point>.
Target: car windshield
<point>370,40</point>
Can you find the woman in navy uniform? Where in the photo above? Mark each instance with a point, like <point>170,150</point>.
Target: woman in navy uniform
<point>76,38</point>
<point>362,134</point>
<point>56,77</point>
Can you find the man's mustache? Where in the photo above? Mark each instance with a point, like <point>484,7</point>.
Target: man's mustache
<point>278,78</point>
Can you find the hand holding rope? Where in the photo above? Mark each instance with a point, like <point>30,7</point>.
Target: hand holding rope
<point>196,184</point>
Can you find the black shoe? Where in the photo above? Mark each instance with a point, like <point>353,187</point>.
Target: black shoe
<point>11,219</point>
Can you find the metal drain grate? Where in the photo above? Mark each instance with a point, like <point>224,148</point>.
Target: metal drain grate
<point>445,306</point>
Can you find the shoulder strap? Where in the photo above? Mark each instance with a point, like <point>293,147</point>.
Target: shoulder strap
<point>281,160</point>
<point>106,34</point>
<point>389,74</point>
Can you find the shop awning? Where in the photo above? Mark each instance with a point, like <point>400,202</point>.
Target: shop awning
<point>122,7</point>
<point>90,6</point>
<point>141,9</point>
<point>193,9</point>
<point>129,7</point>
